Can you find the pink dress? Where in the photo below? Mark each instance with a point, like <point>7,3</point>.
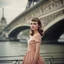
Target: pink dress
<point>29,56</point>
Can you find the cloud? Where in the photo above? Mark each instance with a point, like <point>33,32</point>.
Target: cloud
<point>3,3</point>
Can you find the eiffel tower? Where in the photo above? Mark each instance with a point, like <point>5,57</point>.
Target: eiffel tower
<point>3,19</point>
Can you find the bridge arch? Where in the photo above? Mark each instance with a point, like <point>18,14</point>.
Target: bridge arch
<point>14,32</point>
<point>53,22</point>
<point>54,30</point>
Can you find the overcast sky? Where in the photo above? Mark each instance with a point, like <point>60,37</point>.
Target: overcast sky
<point>12,8</point>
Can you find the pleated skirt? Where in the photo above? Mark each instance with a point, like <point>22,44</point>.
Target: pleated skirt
<point>29,58</point>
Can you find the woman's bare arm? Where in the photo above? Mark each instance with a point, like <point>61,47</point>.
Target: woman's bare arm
<point>37,50</point>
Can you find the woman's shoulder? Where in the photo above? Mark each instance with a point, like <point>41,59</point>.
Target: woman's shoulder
<point>38,36</point>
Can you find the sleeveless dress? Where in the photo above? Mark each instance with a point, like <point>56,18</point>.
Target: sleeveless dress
<point>29,56</point>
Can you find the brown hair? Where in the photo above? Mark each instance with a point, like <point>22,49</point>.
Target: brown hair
<point>39,28</point>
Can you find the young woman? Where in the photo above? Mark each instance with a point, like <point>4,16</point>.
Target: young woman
<point>32,55</point>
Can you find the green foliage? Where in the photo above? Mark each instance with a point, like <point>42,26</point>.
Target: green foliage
<point>25,32</point>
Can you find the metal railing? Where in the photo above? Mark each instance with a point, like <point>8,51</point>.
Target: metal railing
<point>48,59</point>
<point>18,60</point>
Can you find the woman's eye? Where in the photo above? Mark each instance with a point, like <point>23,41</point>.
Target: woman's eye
<point>31,23</point>
<point>34,23</point>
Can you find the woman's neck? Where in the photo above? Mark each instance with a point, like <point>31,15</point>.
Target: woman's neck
<point>35,32</point>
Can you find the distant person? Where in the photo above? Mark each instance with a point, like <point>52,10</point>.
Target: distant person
<point>32,55</point>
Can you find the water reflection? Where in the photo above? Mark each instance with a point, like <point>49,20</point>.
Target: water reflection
<point>12,48</point>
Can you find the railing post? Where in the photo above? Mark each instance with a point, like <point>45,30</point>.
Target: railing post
<point>17,62</point>
<point>51,59</point>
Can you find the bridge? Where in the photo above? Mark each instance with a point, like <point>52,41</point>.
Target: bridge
<point>51,14</point>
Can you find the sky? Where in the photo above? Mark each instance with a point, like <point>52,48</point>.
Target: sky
<point>12,8</point>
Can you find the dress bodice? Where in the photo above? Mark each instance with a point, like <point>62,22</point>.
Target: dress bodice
<point>31,45</point>
<point>32,42</point>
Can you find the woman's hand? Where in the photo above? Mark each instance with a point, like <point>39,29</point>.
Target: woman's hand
<point>35,62</point>
<point>35,59</point>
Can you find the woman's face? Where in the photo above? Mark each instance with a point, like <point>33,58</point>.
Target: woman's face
<point>34,25</point>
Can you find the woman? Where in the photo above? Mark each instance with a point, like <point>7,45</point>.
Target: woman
<point>32,55</point>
